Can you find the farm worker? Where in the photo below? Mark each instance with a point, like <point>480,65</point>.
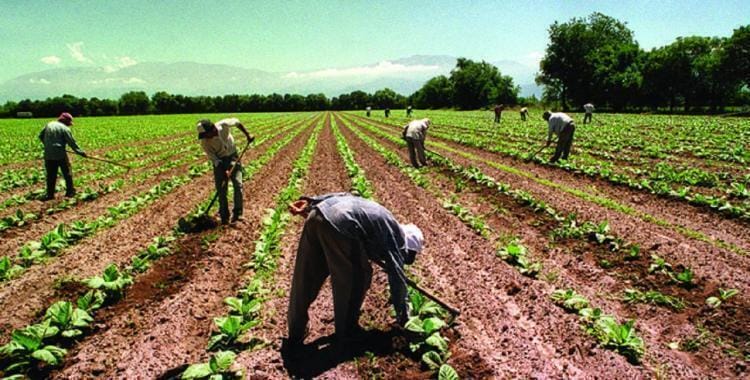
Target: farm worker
<point>56,136</point>
<point>498,112</point>
<point>414,133</point>
<point>342,233</point>
<point>524,113</point>
<point>408,111</point>
<point>588,108</point>
<point>368,109</point>
<point>561,125</point>
<point>387,112</point>
<point>218,143</point>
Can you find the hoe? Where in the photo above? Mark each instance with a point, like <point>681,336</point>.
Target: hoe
<point>202,221</point>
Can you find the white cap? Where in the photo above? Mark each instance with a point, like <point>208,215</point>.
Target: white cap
<point>413,237</point>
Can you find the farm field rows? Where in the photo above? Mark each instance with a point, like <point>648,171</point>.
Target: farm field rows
<point>610,265</point>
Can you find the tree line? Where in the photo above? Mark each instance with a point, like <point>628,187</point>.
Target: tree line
<point>597,59</point>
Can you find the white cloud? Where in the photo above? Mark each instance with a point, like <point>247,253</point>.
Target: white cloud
<point>382,68</point>
<point>76,51</point>
<point>51,60</point>
<point>533,58</point>
<point>119,80</point>
<point>121,63</point>
<point>39,81</point>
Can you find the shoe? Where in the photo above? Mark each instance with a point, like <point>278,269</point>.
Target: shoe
<point>236,218</point>
<point>70,195</point>
<point>47,198</point>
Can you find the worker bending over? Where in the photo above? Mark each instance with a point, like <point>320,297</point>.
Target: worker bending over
<point>561,125</point>
<point>342,233</point>
<point>588,109</point>
<point>415,133</point>
<point>524,113</point>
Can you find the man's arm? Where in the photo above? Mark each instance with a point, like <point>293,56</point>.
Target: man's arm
<point>72,142</point>
<point>41,134</point>
<point>212,156</point>
<point>403,134</point>
<point>242,128</point>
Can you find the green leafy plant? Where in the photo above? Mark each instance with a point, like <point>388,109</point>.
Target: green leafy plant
<point>112,282</point>
<point>68,319</point>
<point>516,254</point>
<point>684,278</point>
<point>569,299</point>
<point>219,367</point>
<point>26,348</point>
<point>724,294</point>
<point>9,270</point>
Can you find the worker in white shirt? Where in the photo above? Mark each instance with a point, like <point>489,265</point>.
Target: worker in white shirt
<point>218,143</point>
<point>524,113</point>
<point>562,125</point>
<point>414,133</point>
<point>588,108</point>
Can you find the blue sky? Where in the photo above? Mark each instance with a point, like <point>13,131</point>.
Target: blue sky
<point>308,35</point>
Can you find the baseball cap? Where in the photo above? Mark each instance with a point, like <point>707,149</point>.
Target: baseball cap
<point>203,127</point>
<point>413,237</point>
<point>65,118</point>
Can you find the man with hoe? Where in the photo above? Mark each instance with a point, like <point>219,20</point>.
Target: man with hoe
<point>56,136</point>
<point>588,109</point>
<point>221,151</point>
<point>414,133</point>
<point>341,235</point>
<point>561,125</point>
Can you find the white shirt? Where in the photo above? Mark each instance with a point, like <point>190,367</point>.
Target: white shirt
<point>221,145</point>
<point>588,107</point>
<point>416,129</point>
<point>557,121</point>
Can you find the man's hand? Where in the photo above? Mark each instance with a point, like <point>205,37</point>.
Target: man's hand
<point>299,207</point>
<point>83,154</point>
<point>250,139</point>
<point>228,173</point>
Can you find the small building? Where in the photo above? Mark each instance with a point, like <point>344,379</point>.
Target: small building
<point>24,114</point>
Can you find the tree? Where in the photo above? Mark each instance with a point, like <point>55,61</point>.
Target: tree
<point>387,98</point>
<point>592,58</point>
<point>436,93</point>
<point>134,103</point>
<point>479,84</point>
<point>736,59</point>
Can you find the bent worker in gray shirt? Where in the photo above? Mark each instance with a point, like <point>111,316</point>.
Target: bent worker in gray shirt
<point>415,133</point>
<point>342,233</point>
<point>562,125</point>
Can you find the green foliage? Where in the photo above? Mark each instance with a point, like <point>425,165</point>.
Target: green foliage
<point>654,297</point>
<point>218,368</point>
<point>724,294</point>
<point>515,254</point>
<point>112,282</point>
<point>480,84</point>
<point>569,299</point>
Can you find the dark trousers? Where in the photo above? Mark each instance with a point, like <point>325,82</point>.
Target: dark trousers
<point>564,142</point>
<point>51,167</point>
<point>222,185</point>
<point>323,251</point>
<point>416,152</point>
<point>497,117</point>
<point>587,118</point>
<point>523,116</point>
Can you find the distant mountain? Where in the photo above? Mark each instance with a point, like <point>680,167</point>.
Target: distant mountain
<point>404,75</point>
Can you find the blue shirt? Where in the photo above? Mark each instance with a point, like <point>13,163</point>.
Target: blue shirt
<point>379,233</point>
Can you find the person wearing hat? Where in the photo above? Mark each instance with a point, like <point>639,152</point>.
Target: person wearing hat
<point>414,133</point>
<point>342,233</point>
<point>561,125</point>
<point>56,136</point>
<point>524,113</point>
<point>218,143</point>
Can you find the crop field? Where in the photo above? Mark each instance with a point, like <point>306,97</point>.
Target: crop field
<point>630,260</point>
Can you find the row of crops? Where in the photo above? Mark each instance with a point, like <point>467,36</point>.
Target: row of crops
<point>610,290</point>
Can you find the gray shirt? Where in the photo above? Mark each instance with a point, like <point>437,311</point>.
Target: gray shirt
<point>588,107</point>
<point>221,145</point>
<point>557,121</point>
<point>416,130</point>
<point>378,232</point>
<point>56,136</point>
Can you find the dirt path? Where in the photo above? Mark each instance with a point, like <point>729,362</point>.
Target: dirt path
<point>574,264</point>
<point>149,335</point>
<point>507,325</point>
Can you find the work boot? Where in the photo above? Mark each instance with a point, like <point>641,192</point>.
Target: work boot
<point>70,194</point>
<point>47,198</point>
<point>236,218</point>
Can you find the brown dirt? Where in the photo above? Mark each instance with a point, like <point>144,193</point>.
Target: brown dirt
<point>506,319</point>
<point>162,333</point>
